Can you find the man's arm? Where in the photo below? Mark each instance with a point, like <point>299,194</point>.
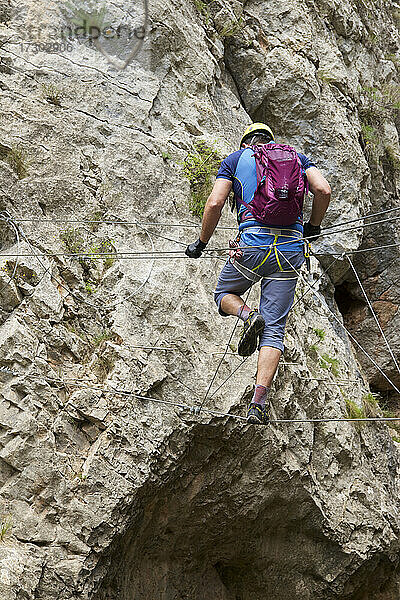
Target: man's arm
<point>213,208</point>
<point>211,216</point>
<point>322,195</point>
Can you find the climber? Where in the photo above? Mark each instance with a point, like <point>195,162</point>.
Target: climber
<point>268,250</point>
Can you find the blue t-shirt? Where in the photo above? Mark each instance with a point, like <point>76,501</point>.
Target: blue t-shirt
<point>240,168</point>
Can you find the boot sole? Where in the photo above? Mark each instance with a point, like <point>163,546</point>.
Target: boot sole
<point>248,345</point>
<point>255,421</point>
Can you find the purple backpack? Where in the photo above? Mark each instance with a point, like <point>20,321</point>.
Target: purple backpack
<point>281,185</point>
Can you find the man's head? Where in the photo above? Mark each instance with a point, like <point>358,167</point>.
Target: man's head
<point>257,133</point>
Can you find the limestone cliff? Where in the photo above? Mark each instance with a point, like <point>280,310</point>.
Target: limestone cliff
<point>106,495</point>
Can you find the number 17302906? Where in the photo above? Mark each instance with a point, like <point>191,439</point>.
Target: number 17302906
<point>49,47</point>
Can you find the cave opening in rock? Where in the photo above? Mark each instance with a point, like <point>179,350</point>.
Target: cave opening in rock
<point>355,312</point>
<point>348,304</point>
<point>388,400</point>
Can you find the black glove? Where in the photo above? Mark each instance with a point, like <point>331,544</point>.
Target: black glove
<point>311,231</point>
<point>194,250</point>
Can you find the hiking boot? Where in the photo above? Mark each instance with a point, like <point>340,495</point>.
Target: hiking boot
<point>252,328</point>
<point>257,414</point>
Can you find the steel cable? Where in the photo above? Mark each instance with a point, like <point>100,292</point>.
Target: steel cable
<point>6,217</point>
<point>186,225</point>
<point>348,332</point>
<point>226,349</point>
<point>347,252</point>
<point>374,314</point>
<point>195,409</point>
<point>377,214</point>
<point>82,300</point>
<point>191,408</point>
<point>166,253</point>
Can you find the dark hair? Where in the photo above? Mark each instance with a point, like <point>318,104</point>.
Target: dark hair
<point>258,138</point>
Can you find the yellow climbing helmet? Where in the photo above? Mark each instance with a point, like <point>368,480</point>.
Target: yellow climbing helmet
<point>257,128</point>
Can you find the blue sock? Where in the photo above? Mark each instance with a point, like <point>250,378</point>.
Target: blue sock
<point>243,312</point>
<point>260,395</point>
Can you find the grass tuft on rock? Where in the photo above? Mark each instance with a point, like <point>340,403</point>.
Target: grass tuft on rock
<point>371,405</point>
<point>391,158</point>
<point>330,363</point>
<point>354,411</point>
<point>202,9</point>
<point>103,249</point>
<point>390,414</point>
<point>369,409</point>
<point>73,241</point>
<point>377,106</point>
<point>372,142</point>
<point>106,334</point>
<point>232,28</point>
<point>18,160</point>
<point>5,527</point>
<point>51,94</point>
<point>320,333</point>
<point>105,246</point>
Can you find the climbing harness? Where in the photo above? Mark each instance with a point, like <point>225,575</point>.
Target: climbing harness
<point>250,274</point>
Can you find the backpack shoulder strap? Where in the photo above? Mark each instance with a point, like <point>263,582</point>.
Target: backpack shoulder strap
<point>249,154</point>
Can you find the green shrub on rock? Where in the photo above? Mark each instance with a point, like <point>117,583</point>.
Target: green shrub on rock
<point>199,168</point>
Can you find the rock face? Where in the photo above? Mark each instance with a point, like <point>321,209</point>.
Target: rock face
<point>106,495</point>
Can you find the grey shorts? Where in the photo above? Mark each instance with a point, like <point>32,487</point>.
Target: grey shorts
<point>277,287</point>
